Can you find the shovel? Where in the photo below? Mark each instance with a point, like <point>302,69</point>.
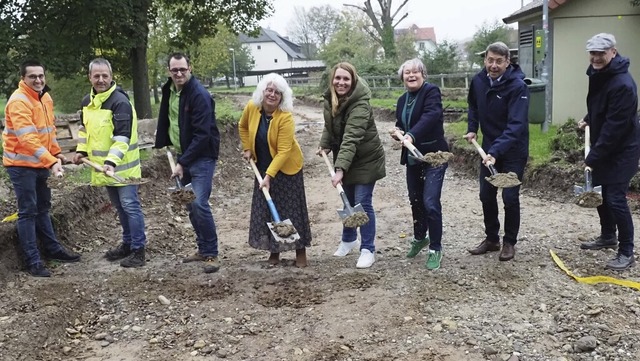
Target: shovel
<point>414,152</point>
<point>179,186</point>
<point>112,174</point>
<point>500,180</point>
<point>282,231</point>
<point>179,194</point>
<point>352,217</point>
<point>435,159</point>
<point>99,169</point>
<point>588,196</point>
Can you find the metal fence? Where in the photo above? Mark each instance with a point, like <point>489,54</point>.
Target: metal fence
<point>444,81</point>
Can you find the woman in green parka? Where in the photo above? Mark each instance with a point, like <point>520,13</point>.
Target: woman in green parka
<point>358,157</point>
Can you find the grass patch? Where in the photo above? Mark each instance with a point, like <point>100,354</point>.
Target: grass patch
<point>539,143</point>
<point>3,103</point>
<point>390,103</point>
<point>226,111</point>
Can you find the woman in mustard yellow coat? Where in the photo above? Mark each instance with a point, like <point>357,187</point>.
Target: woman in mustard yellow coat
<point>267,133</point>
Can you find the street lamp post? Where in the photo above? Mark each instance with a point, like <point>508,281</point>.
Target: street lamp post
<point>235,81</point>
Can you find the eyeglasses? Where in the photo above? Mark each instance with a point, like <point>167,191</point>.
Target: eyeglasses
<point>273,91</point>
<point>176,71</point>
<point>492,61</point>
<point>35,76</point>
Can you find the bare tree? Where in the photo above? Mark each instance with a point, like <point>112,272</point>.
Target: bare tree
<point>324,22</point>
<point>383,23</point>
<point>300,31</point>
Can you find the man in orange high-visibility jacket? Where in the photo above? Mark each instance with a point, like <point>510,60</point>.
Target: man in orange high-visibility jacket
<point>30,152</point>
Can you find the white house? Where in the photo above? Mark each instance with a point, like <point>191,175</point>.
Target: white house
<point>424,39</point>
<point>273,53</point>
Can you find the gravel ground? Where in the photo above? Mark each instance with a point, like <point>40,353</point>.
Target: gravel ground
<point>473,308</point>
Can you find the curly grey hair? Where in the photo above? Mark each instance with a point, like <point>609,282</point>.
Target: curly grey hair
<point>414,63</point>
<point>286,103</point>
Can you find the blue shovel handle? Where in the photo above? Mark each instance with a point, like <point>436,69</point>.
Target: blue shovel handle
<point>272,208</point>
<point>267,196</point>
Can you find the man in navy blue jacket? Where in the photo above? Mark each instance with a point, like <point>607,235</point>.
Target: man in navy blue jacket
<point>187,122</point>
<point>612,105</point>
<point>498,106</point>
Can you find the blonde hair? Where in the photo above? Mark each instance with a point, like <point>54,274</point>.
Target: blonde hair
<point>286,103</point>
<point>335,99</point>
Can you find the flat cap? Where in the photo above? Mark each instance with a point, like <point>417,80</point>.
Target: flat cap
<point>601,42</point>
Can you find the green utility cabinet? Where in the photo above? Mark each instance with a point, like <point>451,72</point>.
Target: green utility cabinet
<point>536,100</point>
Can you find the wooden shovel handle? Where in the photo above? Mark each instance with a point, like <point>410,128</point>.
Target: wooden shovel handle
<point>265,191</point>
<point>489,165</point>
<point>587,141</point>
<point>412,148</point>
<point>172,163</point>
<point>331,170</point>
<point>99,169</point>
<point>479,149</point>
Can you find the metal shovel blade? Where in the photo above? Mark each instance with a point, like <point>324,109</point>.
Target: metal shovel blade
<point>346,212</point>
<point>421,159</point>
<point>178,187</point>
<point>289,239</point>
<point>577,190</point>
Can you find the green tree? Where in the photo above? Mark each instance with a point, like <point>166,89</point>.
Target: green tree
<point>119,30</point>
<point>382,23</point>
<point>350,43</point>
<point>486,34</point>
<point>405,47</point>
<point>442,60</point>
<point>158,49</point>
<point>213,56</point>
<point>8,70</point>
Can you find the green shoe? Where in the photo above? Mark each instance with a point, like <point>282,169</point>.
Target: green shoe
<point>416,246</point>
<point>433,262</point>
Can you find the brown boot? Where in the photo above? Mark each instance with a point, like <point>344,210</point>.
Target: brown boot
<point>274,259</point>
<point>484,247</point>
<point>508,251</point>
<point>301,258</point>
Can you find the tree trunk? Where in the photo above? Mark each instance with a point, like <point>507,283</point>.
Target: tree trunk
<point>140,71</point>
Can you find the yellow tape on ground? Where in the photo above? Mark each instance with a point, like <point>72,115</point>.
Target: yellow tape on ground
<point>592,280</point>
<point>10,218</point>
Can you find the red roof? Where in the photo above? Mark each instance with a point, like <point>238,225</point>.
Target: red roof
<point>418,33</point>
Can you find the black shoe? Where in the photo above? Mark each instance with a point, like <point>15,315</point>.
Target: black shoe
<point>38,270</point>
<point>600,243</point>
<point>135,259</point>
<point>63,256</point>
<point>120,252</point>
<point>621,262</point>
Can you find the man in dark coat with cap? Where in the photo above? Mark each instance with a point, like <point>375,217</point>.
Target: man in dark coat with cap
<point>612,105</point>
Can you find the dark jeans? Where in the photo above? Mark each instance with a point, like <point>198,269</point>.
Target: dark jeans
<point>126,201</point>
<point>200,174</point>
<point>510,199</point>
<point>614,213</point>
<point>34,203</point>
<point>362,194</point>
<point>424,184</point>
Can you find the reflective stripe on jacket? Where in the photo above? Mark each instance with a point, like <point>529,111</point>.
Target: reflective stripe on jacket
<point>109,133</point>
<point>29,137</point>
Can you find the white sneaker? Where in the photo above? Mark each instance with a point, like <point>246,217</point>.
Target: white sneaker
<point>345,247</point>
<point>366,259</point>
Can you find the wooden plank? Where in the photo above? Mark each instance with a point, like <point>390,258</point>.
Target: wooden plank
<point>73,130</point>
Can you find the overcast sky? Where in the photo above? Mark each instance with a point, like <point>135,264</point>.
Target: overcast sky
<point>451,19</point>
